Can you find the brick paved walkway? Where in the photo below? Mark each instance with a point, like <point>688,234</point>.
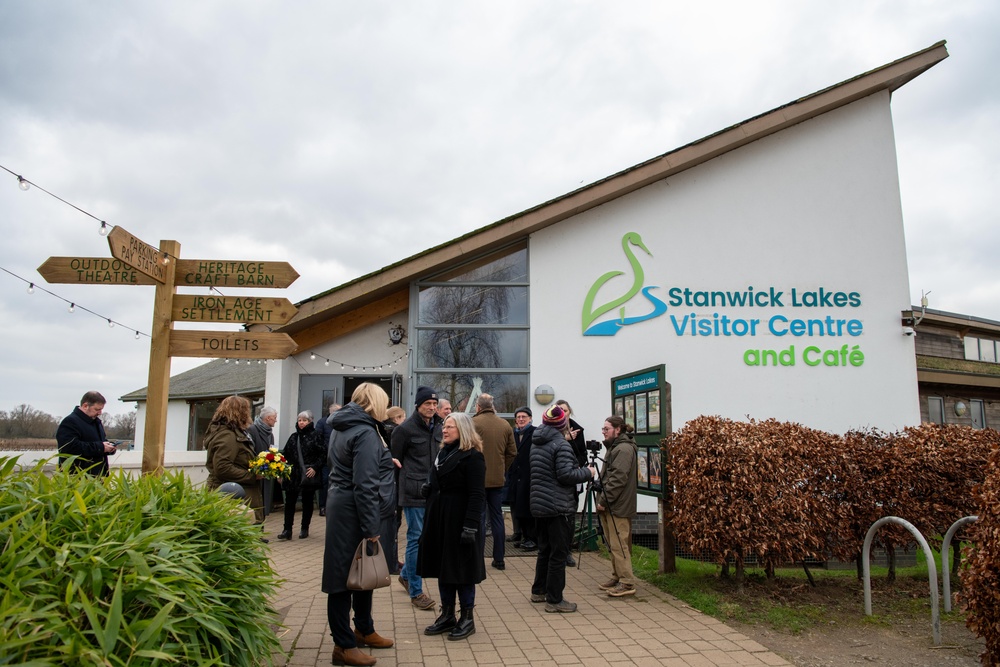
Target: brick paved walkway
<point>650,628</point>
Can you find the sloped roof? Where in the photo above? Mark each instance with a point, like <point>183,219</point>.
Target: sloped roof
<point>384,292</point>
<point>216,379</point>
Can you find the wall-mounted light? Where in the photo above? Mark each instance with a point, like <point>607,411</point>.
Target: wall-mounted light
<point>961,408</point>
<point>544,394</point>
<point>396,334</point>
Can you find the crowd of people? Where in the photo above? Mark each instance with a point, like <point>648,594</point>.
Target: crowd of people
<point>448,475</point>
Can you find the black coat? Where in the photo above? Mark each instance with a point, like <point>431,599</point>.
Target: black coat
<point>519,475</point>
<point>361,496</point>
<point>554,474</point>
<point>458,494</point>
<point>415,444</point>
<point>82,436</point>
<point>313,453</point>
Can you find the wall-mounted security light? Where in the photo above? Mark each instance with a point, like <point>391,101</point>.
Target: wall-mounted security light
<point>544,394</point>
<point>908,331</point>
<point>396,334</point>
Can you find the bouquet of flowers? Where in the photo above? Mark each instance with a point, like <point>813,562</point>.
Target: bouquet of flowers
<point>271,465</point>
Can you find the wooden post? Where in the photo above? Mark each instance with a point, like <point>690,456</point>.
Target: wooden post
<point>158,390</point>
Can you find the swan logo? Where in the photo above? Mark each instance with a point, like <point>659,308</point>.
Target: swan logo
<point>592,312</point>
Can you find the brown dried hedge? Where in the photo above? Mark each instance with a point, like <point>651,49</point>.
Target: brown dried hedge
<point>784,493</point>
<point>981,577</point>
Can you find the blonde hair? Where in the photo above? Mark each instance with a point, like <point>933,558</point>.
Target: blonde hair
<point>233,411</point>
<point>395,411</point>
<point>372,399</point>
<point>467,436</point>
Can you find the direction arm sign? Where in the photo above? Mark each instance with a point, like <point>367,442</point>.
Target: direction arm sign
<point>247,309</point>
<point>231,344</point>
<point>137,254</point>
<point>234,273</point>
<point>92,271</point>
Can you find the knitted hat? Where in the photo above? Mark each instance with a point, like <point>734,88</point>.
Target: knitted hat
<point>425,394</point>
<point>525,409</point>
<point>556,417</point>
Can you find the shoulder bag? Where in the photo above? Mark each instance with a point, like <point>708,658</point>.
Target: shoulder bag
<point>369,569</point>
<point>315,480</point>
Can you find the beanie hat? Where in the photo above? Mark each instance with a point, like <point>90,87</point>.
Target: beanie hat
<point>425,394</point>
<point>556,417</point>
<point>525,409</point>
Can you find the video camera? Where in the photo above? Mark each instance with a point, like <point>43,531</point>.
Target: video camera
<point>594,446</point>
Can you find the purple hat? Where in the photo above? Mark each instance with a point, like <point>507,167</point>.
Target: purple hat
<point>556,417</point>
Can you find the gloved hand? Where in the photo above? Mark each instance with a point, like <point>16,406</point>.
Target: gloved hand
<point>425,490</point>
<point>468,536</point>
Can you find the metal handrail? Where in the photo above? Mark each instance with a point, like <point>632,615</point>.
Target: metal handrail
<point>931,570</point>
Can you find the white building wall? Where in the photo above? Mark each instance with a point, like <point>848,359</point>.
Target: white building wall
<point>814,206</point>
<point>178,422</point>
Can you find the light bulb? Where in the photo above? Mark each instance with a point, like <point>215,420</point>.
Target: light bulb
<point>23,184</point>
<point>166,258</point>
<point>103,231</point>
<point>31,288</point>
<point>237,362</point>
<point>312,357</point>
<point>327,363</point>
<point>342,367</point>
<point>111,325</point>
<point>137,335</point>
<point>72,307</point>
<point>227,361</point>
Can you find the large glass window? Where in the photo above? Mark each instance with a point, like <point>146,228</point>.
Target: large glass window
<point>471,330</point>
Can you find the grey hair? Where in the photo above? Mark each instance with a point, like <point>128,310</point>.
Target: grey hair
<point>485,402</point>
<point>266,411</point>
<point>308,414</point>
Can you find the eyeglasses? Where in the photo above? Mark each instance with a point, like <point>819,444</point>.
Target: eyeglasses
<point>605,429</point>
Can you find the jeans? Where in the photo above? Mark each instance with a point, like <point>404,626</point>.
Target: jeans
<point>493,512</point>
<point>414,527</point>
<point>554,535</point>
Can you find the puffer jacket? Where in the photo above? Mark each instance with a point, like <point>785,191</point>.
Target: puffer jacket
<point>554,474</point>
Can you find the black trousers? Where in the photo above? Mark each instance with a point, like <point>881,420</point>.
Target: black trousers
<point>291,497</point>
<point>338,614</point>
<point>554,534</point>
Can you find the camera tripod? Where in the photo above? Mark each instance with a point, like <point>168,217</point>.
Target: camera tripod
<point>587,534</point>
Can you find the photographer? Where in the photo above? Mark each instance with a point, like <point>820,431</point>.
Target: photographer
<point>616,503</point>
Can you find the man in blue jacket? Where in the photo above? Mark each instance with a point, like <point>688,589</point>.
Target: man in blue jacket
<point>81,434</point>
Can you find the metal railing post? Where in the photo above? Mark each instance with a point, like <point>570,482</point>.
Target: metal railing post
<point>945,547</point>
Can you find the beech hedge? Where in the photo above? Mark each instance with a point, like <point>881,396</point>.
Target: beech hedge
<point>981,576</point>
<point>782,492</point>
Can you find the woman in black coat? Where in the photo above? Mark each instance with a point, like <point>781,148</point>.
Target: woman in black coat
<point>305,441</point>
<point>449,548</point>
<point>360,505</point>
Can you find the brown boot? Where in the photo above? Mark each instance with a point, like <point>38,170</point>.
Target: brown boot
<point>374,640</point>
<point>351,656</point>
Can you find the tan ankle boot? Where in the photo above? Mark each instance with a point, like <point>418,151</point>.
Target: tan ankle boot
<point>374,640</point>
<point>351,656</point>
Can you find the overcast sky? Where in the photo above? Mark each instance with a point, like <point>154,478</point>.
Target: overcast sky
<point>343,137</point>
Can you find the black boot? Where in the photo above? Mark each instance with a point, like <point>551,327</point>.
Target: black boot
<point>286,534</point>
<point>445,622</point>
<point>466,625</point>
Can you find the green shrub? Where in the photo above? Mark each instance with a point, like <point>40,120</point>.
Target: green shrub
<point>120,571</point>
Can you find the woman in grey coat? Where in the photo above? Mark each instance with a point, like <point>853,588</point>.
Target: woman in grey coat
<point>361,502</point>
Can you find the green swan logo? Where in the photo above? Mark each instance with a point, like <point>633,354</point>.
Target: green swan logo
<point>610,328</point>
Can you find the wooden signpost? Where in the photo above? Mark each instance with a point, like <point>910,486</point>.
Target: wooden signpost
<point>135,262</point>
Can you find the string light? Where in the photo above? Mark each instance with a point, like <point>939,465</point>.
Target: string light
<point>72,307</point>
<point>137,334</point>
<point>103,231</point>
<point>23,184</point>
<point>111,325</point>
<point>31,288</point>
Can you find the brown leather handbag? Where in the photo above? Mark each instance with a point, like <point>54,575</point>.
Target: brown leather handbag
<point>369,569</point>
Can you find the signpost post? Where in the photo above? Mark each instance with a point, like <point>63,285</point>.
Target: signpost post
<point>135,262</point>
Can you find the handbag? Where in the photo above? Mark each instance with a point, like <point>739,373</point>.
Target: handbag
<point>306,480</point>
<point>368,570</point>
